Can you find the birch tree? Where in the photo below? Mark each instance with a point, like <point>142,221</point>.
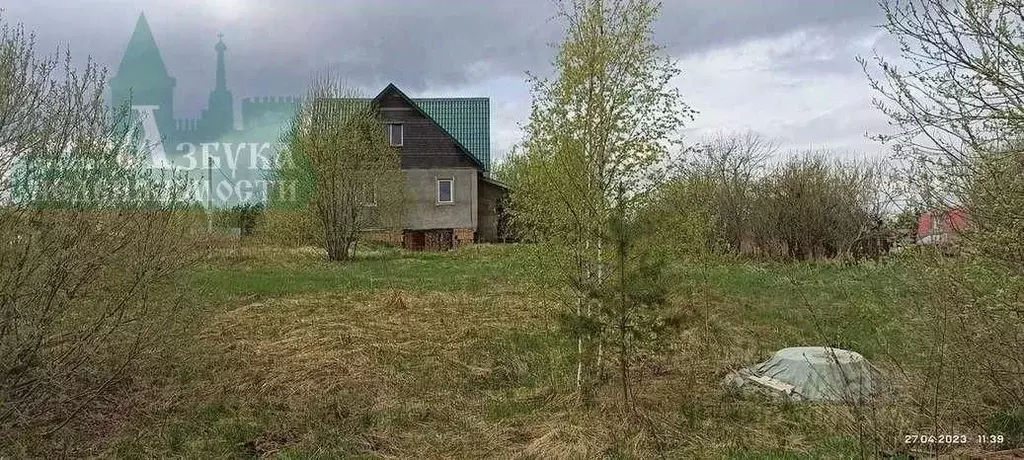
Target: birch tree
<point>954,95</point>
<point>608,116</point>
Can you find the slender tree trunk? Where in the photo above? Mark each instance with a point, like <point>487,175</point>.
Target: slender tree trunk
<point>623,304</point>
<point>597,282</point>
<point>624,362</point>
<point>579,364</point>
<point>579,335</point>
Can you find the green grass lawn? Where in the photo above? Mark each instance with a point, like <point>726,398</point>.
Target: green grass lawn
<point>458,355</point>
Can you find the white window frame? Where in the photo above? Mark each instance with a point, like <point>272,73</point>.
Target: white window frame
<point>451,188</point>
<point>401,131</point>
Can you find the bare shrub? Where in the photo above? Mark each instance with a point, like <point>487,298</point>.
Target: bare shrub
<point>732,164</point>
<point>90,239</point>
<point>808,207</point>
<point>811,207</point>
<point>346,176</point>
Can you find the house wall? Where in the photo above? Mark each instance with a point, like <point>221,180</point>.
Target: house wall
<point>487,212</point>
<point>422,212</point>
<point>429,153</point>
<point>949,223</point>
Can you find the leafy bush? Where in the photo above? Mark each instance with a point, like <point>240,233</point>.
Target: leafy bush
<point>245,217</point>
<point>809,207</point>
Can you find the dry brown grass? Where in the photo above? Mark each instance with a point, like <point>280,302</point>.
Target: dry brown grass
<point>402,354</point>
<point>306,342</point>
<point>424,368</point>
<point>429,370</point>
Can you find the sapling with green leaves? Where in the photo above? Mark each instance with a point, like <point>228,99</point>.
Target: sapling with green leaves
<point>953,92</point>
<point>608,116</point>
<point>635,298</point>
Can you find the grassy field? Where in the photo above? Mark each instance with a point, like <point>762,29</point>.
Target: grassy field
<point>457,355</point>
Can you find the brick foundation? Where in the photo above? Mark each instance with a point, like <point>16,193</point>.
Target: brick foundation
<point>464,236</point>
<point>441,239</point>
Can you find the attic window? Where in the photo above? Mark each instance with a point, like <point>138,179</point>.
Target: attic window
<point>396,134</point>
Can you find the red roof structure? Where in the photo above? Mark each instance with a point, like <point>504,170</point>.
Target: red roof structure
<point>941,226</point>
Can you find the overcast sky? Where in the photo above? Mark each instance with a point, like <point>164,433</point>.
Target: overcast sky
<point>785,68</point>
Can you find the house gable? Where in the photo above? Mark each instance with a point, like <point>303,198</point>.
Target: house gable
<point>426,144</point>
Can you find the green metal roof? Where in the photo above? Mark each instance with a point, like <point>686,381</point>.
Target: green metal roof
<point>468,119</point>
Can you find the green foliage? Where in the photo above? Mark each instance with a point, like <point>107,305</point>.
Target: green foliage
<point>965,367</point>
<point>630,314</point>
<point>607,119</point>
<point>634,298</point>
<point>679,216</point>
<point>954,102</point>
<point>996,206</point>
<point>245,217</point>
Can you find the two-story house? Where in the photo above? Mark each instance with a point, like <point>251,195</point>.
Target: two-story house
<point>445,149</point>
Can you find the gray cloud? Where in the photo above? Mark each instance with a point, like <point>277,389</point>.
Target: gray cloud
<point>696,25</point>
<point>847,127</point>
<point>273,47</point>
<point>784,67</point>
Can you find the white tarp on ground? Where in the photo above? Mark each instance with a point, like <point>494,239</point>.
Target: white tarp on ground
<point>812,374</point>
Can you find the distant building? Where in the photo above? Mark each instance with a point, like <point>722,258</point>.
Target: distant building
<point>941,226</point>
<point>444,143</point>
